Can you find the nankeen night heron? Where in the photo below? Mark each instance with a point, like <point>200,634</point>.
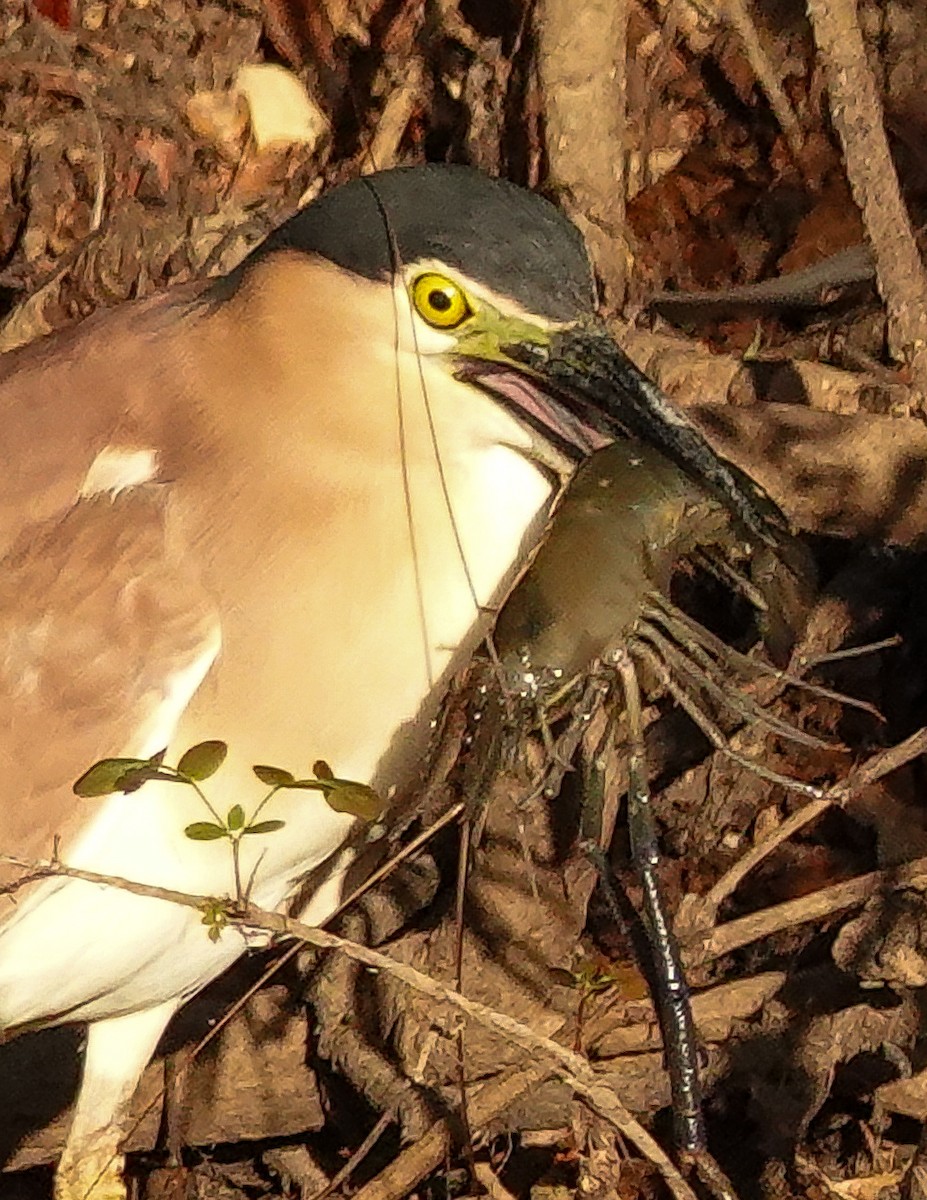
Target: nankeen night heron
<point>273,508</point>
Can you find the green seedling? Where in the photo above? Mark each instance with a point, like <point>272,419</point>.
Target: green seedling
<point>200,763</point>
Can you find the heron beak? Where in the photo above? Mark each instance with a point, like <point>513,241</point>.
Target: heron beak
<point>579,388</point>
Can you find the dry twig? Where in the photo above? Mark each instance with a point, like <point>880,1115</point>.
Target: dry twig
<point>767,73</point>
<point>822,903</point>
<point>880,764</point>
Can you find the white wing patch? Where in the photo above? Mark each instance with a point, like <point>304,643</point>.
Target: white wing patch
<point>116,468</point>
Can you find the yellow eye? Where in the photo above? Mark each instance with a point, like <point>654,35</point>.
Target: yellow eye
<point>439,301</point>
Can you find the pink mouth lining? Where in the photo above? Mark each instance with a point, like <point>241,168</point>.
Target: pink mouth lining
<point>543,411</point>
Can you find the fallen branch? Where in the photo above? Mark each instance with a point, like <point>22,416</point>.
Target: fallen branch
<point>822,903</point>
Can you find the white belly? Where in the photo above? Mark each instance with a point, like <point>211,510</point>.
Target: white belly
<point>340,684</point>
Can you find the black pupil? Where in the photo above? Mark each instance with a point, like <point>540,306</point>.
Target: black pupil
<point>439,301</point>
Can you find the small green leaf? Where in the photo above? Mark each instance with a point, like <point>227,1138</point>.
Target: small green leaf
<point>273,776</point>
<point>105,777</point>
<point>236,818</point>
<point>355,798</point>
<point>157,760</point>
<point>215,915</point>
<point>203,760</point>
<point>205,831</point>
<point>322,770</point>
<point>265,827</point>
